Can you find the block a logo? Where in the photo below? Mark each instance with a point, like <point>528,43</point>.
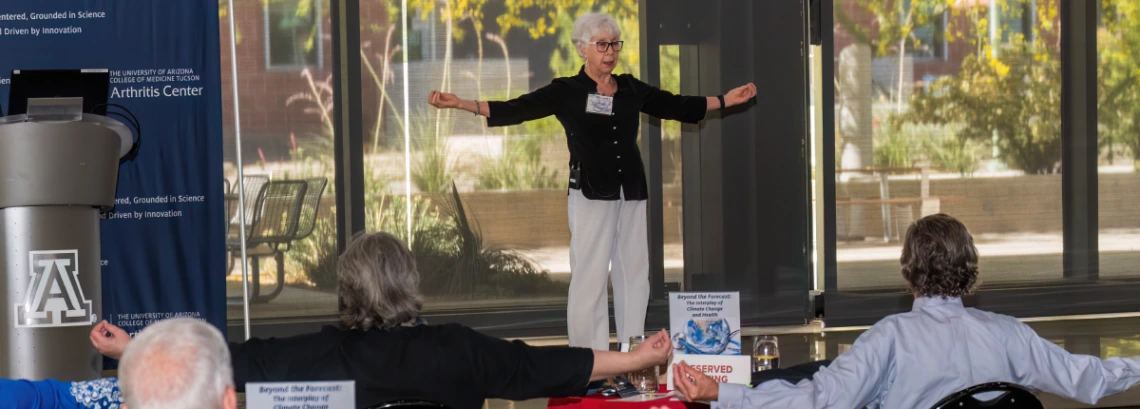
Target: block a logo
<point>54,297</point>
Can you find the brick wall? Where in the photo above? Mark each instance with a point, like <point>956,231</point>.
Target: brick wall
<point>999,205</point>
<point>266,120</point>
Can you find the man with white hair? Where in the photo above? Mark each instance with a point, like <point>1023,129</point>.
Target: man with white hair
<point>179,363</point>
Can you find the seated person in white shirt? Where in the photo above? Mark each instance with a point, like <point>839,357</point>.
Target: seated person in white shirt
<point>914,359</point>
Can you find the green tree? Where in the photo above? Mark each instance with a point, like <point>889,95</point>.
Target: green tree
<point>303,9</point>
<point>454,12</point>
<point>1118,78</point>
<point>556,18</point>
<point>1013,100</point>
<point>896,22</point>
<point>1019,102</point>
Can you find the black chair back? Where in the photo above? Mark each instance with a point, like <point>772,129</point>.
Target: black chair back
<point>310,209</point>
<point>280,210</point>
<point>1011,397</point>
<point>230,203</point>
<point>409,404</point>
<point>254,189</point>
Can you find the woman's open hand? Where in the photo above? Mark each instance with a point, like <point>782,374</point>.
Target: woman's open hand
<point>694,385</point>
<point>740,95</point>
<point>443,99</point>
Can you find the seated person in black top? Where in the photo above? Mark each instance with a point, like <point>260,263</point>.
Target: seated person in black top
<point>391,354</point>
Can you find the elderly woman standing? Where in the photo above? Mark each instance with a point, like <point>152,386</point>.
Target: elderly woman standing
<point>385,347</point>
<point>606,205</point>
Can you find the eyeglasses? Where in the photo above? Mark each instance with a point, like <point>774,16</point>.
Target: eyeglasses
<point>603,46</point>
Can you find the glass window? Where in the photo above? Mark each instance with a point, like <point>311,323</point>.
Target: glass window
<point>672,174</point>
<point>483,208</point>
<point>976,135</point>
<point>287,158</point>
<point>1119,347</point>
<point>928,37</point>
<point>293,33</point>
<point>1118,114</point>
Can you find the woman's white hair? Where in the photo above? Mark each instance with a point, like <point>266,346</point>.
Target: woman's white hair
<point>591,24</point>
<point>179,363</point>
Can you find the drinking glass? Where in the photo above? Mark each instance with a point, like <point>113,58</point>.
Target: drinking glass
<point>765,353</point>
<point>644,380</point>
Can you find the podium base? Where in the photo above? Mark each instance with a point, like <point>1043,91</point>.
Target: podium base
<point>52,272</point>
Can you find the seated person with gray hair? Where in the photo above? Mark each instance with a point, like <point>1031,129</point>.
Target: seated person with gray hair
<point>391,354</point>
<point>180,363</point>
<point>915,359</point>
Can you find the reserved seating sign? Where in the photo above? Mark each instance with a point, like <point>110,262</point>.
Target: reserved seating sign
<point>722,368</point>
<point>300,395</point>
<point>705,323</point>
<point>705,329</point>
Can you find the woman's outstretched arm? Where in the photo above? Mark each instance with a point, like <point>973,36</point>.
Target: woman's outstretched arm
<point>689,109</point>
<point>448,100</point>
<point>540,103</point>
<point>736,96</point>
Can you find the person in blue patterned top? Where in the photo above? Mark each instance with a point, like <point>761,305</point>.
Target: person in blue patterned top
<point>53,394</point>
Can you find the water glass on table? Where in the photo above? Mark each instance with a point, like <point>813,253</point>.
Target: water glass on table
<point>644,380</point>
<point>765,353</point>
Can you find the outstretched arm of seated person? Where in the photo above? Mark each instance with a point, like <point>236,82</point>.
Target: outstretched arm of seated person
<point>656,350</point>
<point>248,359</point>
<point>1042,365</point>
<point>109,339</point>
<point>25,394</point>
<point>853,380</point>
<point>517,371</point>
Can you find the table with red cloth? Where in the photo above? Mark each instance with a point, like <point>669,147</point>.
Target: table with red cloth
<point>597,401</point>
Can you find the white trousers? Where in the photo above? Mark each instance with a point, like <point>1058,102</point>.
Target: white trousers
<point>606,236</point>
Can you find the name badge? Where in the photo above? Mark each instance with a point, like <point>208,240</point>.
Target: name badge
<point>600,104</point>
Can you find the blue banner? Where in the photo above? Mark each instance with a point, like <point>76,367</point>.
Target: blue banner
<point>163,252</point>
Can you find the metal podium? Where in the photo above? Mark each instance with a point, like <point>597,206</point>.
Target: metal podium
<point>57,172</point>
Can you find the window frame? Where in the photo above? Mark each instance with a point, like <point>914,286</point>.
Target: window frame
<point>786,307</point>
<point>941,52</point>
<point>267,39</point>
<point>1079,290</point>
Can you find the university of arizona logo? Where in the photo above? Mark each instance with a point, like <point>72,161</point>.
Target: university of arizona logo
<point>54,297</point>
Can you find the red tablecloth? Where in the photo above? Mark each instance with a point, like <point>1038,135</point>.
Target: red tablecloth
<point>597,401</point>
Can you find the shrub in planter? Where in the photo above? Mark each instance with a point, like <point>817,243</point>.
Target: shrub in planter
<point>449,253</point>
<point>317,254</point>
